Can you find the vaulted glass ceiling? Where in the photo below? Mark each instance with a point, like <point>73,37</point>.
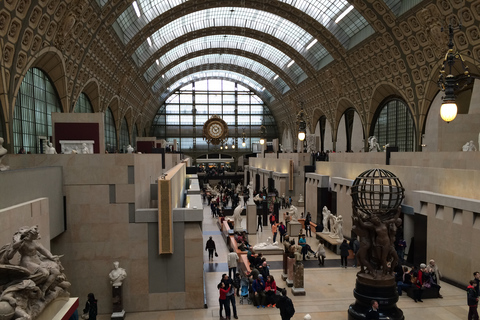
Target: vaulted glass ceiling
<point>218,74</point>
<point>284,30</point>
<point>325,12</point>
<point>254,46</point>
<point>215,59</point>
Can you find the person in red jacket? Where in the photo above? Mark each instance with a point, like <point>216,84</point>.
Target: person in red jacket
<point>222,300</point>
<point>472,301</point>
<point>417,294</point>
<point>270,291</point>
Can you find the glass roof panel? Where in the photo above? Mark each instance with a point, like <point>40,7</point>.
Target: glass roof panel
<point>394,5</point>
<point>227,41</point>
<point>213,59</point>
<point>101,3</point>
<point>284,30</point>
<point>327,11</point>
<point>234,76</point>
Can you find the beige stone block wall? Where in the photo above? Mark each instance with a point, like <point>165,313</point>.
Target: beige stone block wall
<point>193,266</point>
<point>29,213</point>
<point>147,169</point>
<point>344,207</point>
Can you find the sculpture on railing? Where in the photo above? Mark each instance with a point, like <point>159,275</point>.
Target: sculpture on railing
<point>35,281</point>
<point>373,145</point>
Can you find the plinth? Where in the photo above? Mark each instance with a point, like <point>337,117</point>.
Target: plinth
<point>298,288</point>
<point>251,218</point>
<point>294,228</point>
<point>285,269</point>
<point>118,312</point>
<point>290,277</point>
<point>383,289</point>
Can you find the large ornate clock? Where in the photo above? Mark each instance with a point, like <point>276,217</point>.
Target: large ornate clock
<point>215,130</point>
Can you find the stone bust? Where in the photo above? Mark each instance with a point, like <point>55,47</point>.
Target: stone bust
<point>117,275</point>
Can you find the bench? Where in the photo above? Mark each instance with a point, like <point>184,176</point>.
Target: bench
<point>428,293</point>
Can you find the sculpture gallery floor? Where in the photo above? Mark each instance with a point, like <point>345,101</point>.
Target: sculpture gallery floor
<point>329,289</point>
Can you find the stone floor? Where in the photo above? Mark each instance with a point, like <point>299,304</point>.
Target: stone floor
<point>329,290</point>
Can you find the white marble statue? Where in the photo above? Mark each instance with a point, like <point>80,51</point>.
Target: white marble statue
<point>250,193</point>
<point>373,145</point>
<point>239,189</point>
<point>385,147</point>
<point>338,228</point>
<point>266,245</point>
<point>300,199</point>
<point>283,150</point>
<point>237,218</point>
<point>333,220</point>
<point>469,146</point>
<point>311,143</point>
<point>43,268</point>
<point>50,149</point>
<point>130,149</point>
<point>326,213</point>
<point>294,213</point>
<point>117,275</point>
<point>3,152</point>
<point>85,149</point>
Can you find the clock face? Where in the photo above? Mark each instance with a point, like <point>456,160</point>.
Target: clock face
<point>215,130</point>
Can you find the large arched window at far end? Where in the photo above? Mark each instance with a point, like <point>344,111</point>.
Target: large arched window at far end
<point>394,125</point>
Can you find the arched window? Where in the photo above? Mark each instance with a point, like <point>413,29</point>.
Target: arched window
<point>323,123</point>
<point>134,135</point>
<point>83,104</point>
<point>184,113</point>
<point>393,125</point>
<point>110,132</point>
<point>32,120</point>
<point>124,137</point>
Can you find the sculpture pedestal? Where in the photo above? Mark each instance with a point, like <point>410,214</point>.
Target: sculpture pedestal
<point>294,228</point>
<point>285,269</point>
<point>251,219</point>
<point>383,289</point>
<point>298,287</point>
<point>290,264</point>
<point>118,312</point>
<point>60,308</point>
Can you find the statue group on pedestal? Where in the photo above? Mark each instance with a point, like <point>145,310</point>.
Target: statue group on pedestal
<point>336,224</point>
<point>377,237</point>
<point>35,281</point>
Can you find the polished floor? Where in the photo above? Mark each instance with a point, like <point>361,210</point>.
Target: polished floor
<point>329,290</point>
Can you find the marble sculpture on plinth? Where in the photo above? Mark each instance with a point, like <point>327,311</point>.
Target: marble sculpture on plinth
<point>38,279</point>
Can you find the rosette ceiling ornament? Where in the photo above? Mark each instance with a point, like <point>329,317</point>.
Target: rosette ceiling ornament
<point>215,131</point>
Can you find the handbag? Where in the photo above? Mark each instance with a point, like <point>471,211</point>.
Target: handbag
<point>85,316</point>
<point>216,254</point>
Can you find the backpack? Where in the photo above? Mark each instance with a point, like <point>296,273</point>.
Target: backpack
<point>289,308</point>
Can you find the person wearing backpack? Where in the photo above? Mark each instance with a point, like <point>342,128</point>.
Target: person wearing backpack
<point>285,304</point>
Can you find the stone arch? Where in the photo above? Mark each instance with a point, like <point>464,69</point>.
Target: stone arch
<point>49,60</point>
<point>382,91</point>
<point>92,90</point>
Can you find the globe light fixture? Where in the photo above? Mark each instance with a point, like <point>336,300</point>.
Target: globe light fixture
<point>244,136</point>
<point>263,134</point>
<point>448,83</point>
<point>302,123</point>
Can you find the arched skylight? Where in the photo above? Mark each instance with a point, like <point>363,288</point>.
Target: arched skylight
<point>254,46</point>
<point>215,59</point>
<point>218,74</point>
<point>284,30</point>
<point>325,12</point>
